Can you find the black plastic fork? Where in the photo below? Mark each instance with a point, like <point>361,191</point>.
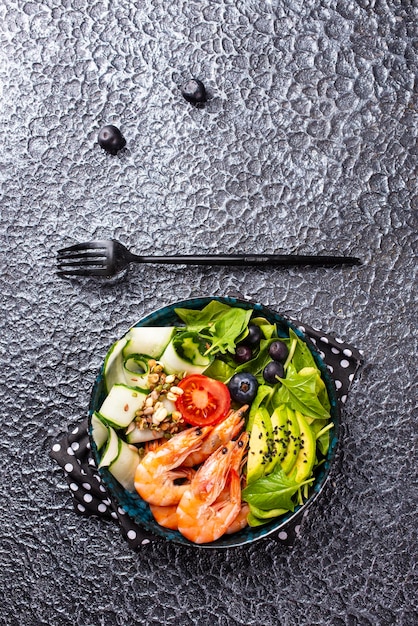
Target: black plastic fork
<point>109,257</point>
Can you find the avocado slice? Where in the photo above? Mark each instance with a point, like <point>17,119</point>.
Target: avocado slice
<point>306,457</point>
<point>259,453</point>
<point>280,437</point>
<point>292,430</point>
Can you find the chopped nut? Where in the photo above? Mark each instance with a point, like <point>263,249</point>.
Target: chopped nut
<point>177,390</point>
<point>170,378</point>
<point>159,415</point>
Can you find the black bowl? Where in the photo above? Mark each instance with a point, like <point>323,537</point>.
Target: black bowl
<point>139,510</point>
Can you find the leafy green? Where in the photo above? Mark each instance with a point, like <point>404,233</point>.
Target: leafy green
<point>227,328</point>
<point>261,398</point>
<point>299,391</point>
<point>274,491</point>
<point>197,320</point>
<point>219,323</point>
<point>220,370</point>
<point>302,356</point>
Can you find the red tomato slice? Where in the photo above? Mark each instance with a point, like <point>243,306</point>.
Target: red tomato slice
<point>205,401</point>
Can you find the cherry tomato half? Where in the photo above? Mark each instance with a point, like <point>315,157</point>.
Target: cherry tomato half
<point>205,401</point>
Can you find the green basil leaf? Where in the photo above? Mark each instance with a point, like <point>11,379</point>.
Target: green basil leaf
<point>274,491</point>
<point>299,392</point>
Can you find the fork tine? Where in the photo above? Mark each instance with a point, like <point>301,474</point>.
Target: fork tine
<point>81,254</point>
<point>97,271</point>
<point>88,245</point>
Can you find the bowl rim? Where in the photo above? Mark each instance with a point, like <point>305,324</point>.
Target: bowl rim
<point>278,524</point>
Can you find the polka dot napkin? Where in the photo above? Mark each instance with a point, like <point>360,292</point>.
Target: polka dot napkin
<point>90,496</point>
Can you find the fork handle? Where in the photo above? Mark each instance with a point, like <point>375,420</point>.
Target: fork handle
<point>249,259</point>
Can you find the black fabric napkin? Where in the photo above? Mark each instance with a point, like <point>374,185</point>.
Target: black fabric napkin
<point>72,452</point>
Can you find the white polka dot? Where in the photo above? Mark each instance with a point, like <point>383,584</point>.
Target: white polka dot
<point>282,535</point>
<point>88,446</point>
<point>70,451</point>
<point>81,508</point>
<point>338,340</point>
<point>91,462</point>
<point>107,501</point>
<point>68,467</point>
<point>102,489</point>
<point>113,514</point>
<point>56,447</point>
<point>322,355</point>
<point>343,399</point>
<point>73,487</point>
<point>302,329</point>
<point>335,350</point>
<point>347,352</point>
<point>131,534</point>
<point>351,378</point>
<point>102,508</point>
<point>344,363</point>
<point>75,431</point>
<point>83,472</point>
<point>75,445</point>
<point>97,477</point>
<point>87,497</point>
<point>121,511</point>
<point>313,340</point>
<point>145,541</point>
<point>87,486</point>
<point>324,339</point>
<point>361,352</point>
<point>331,369</point>
<point>338,384</point>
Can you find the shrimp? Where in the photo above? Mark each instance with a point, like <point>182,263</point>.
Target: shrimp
<point>219,435</point>
<point>240,521</point>
<point>201,518</point>
<point>239,459</point>
<point>157,472</point>
<point>165,515</point>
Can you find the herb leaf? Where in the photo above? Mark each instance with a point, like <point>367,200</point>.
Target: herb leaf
<point>300,392</point>
<point>274,491</point>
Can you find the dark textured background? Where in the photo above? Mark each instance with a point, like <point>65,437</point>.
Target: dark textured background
<point>308,143</point>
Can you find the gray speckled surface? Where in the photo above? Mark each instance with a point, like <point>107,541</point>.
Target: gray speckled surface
<point>308,143</point>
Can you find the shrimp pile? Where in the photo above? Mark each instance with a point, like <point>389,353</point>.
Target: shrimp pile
<point>193,481</point>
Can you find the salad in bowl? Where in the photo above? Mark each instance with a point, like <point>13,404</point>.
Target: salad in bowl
<point>213,422</point>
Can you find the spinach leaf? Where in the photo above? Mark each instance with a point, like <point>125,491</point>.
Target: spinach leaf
<point>197,320</point>
<point>227,328</point>
<point>220,370</point>
<point>299,391</point>
<point>274,491</point>
<point>302,356</point>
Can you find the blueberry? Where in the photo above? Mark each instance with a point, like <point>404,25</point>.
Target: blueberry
<point>273,369</point>
<point>278,351</point>
<point>243,387</point>
<point>253,338</point>
<point>243,354</point>
<point>194,91</point>
<point>110,139</point>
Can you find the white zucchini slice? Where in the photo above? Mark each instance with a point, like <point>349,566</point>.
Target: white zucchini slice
<point>124,466</point>
<point>136,370</point>
<point>140,435</point>
<point>111,450</point>
<point>120,406</point>
<point>150,340</point>
<point>174,363</point>
<point>113,364</point>
<point>99,431</point>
